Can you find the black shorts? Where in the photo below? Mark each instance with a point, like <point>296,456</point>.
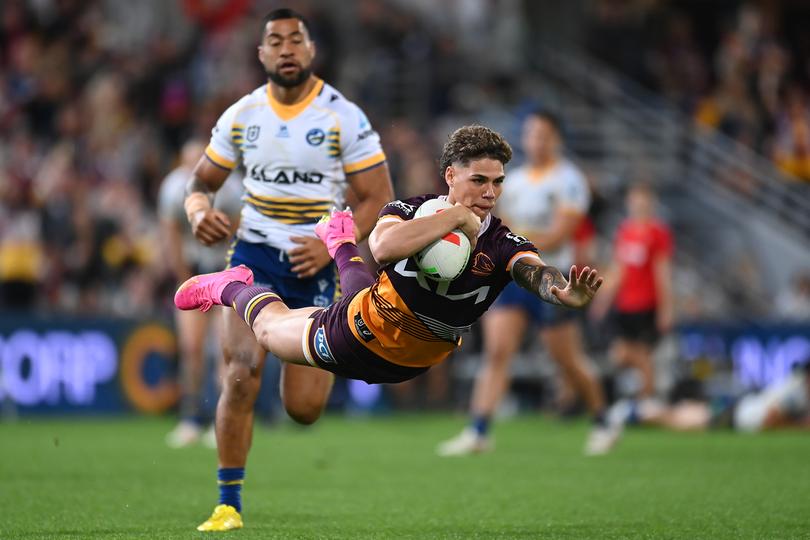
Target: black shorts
<point>638,326</point>
<point>331,345</point>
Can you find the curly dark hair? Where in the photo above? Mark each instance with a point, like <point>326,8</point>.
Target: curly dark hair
<point>469,143</point>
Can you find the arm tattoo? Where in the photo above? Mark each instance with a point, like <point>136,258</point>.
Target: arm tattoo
<point>539,280</point>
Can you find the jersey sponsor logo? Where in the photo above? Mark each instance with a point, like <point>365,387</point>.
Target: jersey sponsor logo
<point>283,132</point>
<point>405,207</point>
<point>363,330</point>
<point>320,300</point>
<point>315,136</point>
<point>441,287</point>
<point>252,133</point>
<point>322,346</point>
<point>482,265</point>
<point>265,173</point>
<point>516,238</point>
<point>323,284</point>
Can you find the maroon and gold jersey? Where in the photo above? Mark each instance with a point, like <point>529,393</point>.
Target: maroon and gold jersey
<point>417,321</point>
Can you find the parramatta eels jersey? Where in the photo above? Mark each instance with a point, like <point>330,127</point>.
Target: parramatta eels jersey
<point>296,159</point>
<point>418,321</point>
<point>531,198</point>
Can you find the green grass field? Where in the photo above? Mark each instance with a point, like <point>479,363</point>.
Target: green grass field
<point>379,478</point>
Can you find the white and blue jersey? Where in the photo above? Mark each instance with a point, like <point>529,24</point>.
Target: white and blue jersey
<point>297,160</point>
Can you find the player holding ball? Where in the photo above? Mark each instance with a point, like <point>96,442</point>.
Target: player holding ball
<point>395,327</point>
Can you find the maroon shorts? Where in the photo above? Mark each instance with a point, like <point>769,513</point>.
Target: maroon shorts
<point>331,345</point>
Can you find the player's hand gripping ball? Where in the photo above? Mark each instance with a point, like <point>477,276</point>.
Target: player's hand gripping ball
<point>444,259</point>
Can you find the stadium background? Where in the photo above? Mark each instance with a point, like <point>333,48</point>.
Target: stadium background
<point>706,100</point>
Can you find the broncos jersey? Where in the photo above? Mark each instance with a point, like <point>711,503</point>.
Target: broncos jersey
<point>418,321</point>
<point>296,159</point>
<point>530,199</point>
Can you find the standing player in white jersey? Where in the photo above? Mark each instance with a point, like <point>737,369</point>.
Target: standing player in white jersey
<point>186,257</point>
<point>544,201</point>
<point>302,145</point>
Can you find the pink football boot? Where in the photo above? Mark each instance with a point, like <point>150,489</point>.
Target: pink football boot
<point>203,291</point>
<point>336,229</point>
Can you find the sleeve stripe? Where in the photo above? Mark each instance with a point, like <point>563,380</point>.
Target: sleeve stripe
<point>519,255</point>
<point>367,163</point>
<point>366,169</point>
<point>218,160</point>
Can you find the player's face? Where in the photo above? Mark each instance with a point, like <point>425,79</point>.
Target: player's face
<point>286,52</point>
<point>539,139</point>
<point>640,204</point>
<point>476,185</point>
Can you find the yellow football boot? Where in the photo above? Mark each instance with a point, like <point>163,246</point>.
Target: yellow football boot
<point>224,518</point>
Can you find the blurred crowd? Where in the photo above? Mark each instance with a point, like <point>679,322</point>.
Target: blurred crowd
<point>738,69</point>
<point>97,97</point>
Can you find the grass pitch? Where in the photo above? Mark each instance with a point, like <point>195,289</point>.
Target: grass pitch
<point>379,478</point>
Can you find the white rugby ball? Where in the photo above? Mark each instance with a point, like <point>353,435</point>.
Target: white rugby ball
<point>444,259</point>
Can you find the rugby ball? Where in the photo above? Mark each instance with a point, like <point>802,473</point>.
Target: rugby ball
<point>444,259</point>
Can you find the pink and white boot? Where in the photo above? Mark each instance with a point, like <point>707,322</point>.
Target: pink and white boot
<point>203,291</point>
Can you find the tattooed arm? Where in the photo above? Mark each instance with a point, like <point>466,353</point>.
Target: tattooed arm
<point>549,284</point>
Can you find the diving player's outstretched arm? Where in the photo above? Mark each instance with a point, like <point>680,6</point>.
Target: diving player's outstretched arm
<point>549,284</point>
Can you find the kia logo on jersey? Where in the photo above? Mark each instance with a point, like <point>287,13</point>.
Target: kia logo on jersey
<point>315,136</point>
<point>252,133</point>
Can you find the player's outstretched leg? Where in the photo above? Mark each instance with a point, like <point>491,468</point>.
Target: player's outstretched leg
<point>231,287</point>
<point>337,232</point>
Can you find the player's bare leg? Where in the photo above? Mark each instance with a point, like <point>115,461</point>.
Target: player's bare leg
<point>191,334</point>
<point>305,391</point>
<point>564,345</point>
<point>638,356</point>
<point>503,333</point>
<point>244,363</point>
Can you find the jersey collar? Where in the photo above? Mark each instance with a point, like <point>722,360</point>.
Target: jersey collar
<point>288,112</point>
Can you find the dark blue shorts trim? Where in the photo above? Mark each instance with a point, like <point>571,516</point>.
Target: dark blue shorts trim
<point>540,313</point>
<point>271,267</point>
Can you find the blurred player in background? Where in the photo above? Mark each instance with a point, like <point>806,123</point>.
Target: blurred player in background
<point>186,257</point>
<point>782,404</point>
<point>544,201</point>
<point>638,284</point>
<point>302,145</point>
